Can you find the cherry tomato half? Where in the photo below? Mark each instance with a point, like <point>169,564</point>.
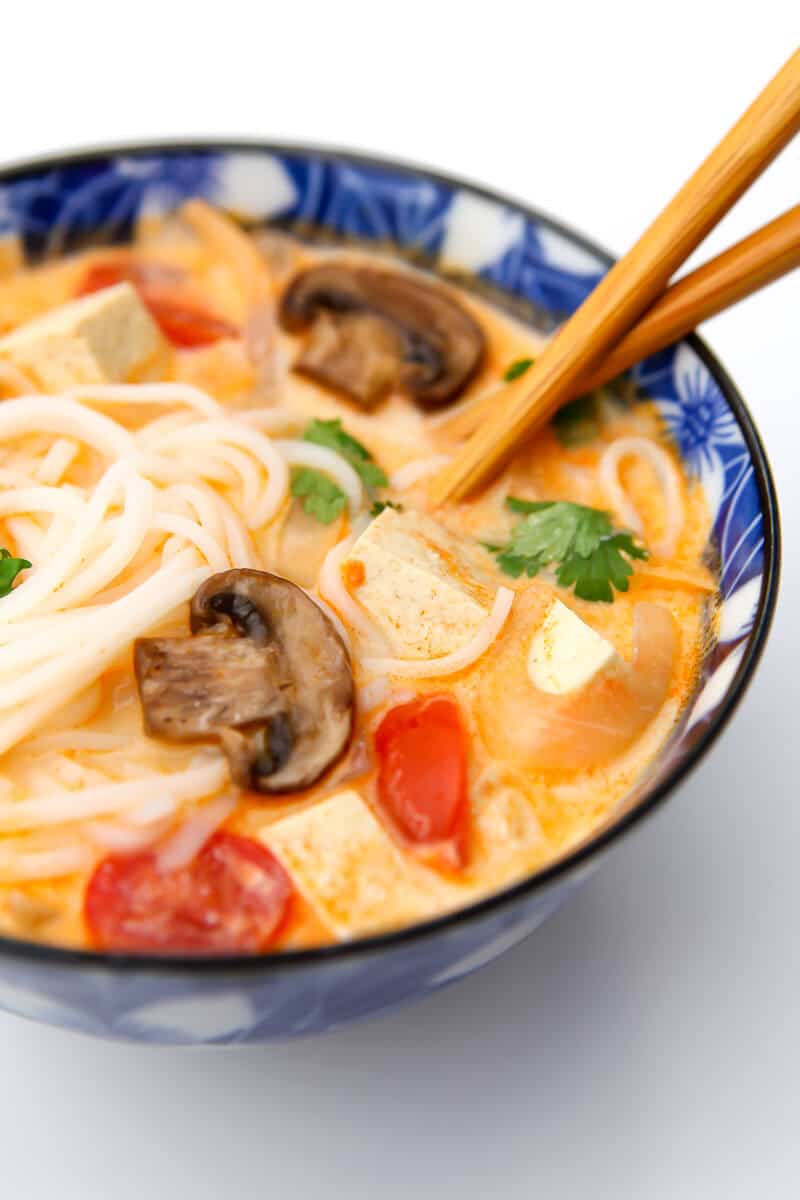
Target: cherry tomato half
<point>422,773</point>
<point>183,322</point>
<point>233,897</point>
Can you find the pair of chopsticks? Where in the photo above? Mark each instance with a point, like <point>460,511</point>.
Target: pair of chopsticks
<point>630,314</point>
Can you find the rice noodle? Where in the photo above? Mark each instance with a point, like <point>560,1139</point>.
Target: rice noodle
<point>374,693</point>
<point>270,420</point>
<point>333,617</point>
<point>13,379</point>
<point>187,841</point>
<point>116,836</point>
<point>149,393</point>
<point>61,808</point>
<point>419,468</point>
<point>668,479</point>
<point>332,589</point>
<point>57,460</point>
<point>306,454</point>
<point>459,659</point>
<point>21,866</point>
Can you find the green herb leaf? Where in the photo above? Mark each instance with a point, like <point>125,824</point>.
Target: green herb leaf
<point>517,368</point>
<point>591,556</point>
<point>332,435</point>
<point>379,506</point>
<point>322,498</point>
<point>577,422</point>
<point>527,506</point>
<point>9,570</point>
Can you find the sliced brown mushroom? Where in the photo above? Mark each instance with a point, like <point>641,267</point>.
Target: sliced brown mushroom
<point>265,673</point>
<point>374,331</point>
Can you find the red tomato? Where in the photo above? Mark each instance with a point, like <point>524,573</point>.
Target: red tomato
<point>422,775</point>
<point>184,323</point>
<point>233,897</point>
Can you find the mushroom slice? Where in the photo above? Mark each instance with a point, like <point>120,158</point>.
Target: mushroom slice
<point>373,331</point>
<point>265,673</point>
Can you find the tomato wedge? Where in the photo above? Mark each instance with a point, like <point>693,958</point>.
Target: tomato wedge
<point>422,773</point>
<point>233,897</point>
<point>184,322</point>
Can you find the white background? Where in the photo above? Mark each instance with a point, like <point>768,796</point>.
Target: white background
<point>644,1043</point>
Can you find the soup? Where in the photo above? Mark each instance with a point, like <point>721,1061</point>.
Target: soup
<point>258,693</point>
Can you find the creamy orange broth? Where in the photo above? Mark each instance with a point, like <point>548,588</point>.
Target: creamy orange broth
<point>521,820</point>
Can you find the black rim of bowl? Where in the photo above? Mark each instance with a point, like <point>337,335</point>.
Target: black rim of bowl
<point>587,852</point>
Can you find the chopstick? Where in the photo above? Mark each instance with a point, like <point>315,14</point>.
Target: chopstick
<point>633,283</point>
<point>750,265</point>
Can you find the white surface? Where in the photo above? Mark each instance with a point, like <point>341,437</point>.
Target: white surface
<point>644,1043</point>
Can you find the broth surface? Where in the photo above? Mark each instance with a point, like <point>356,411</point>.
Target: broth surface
<point>520,816</point>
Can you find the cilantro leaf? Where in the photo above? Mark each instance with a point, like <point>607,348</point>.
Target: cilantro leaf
<point>332,435</point>
<point>577,422</point>
<point>517,368</point>
<point>380,505</point>
<point>322,498</point>
<point>527,506</point>
<point>9,570</point>
<point>590,555</point>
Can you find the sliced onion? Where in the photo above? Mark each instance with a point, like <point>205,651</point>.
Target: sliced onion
<point>449,664</point>
<point>668,479</point>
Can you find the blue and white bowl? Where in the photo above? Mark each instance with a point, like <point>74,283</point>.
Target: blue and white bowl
<point>57,204</point>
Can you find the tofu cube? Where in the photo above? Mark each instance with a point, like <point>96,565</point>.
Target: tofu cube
<point>102,338</point>
<point>566,653</point>
<point>425,589</point>
<point>351,872</point>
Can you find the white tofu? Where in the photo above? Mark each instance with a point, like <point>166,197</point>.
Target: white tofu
<point>102,338</point>
<point>566,653</point>
<point>426,590</point>
<point>351,872</point>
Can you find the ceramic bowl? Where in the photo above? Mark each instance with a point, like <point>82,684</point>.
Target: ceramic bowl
<point>57,204</point>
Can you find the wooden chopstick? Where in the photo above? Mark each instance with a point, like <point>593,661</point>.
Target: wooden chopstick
<point>633,283</point>
<point>750,265</point>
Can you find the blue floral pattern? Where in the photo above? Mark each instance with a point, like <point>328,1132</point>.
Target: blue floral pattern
<point>52,207</point>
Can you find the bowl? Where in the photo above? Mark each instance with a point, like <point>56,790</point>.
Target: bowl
<point>532,264</point>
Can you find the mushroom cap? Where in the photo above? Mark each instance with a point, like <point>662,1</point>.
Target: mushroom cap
<point>374,330</point>
<point>265,673</point>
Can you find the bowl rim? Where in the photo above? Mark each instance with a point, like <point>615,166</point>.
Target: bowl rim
<point>586,852</point>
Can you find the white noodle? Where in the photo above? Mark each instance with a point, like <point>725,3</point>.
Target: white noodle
<point>419,468</point>
<point>27,535</point>
<point>43,864</point>
<point>114,835</point>
<point>668,479</point>
<point>458,660</point>
<point>221,437</point>
<point>57,460</point>
<point>187,841</point>
<point>60,415</point>
<point>60,808</point>
<point>155,809</point>
<point>333,617</point>
<point>149,393</point>
<point>270,420</point>
<point>190,531</point>
<point>306,454</point>
<point>374,693</point>
<point>332,589</point>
